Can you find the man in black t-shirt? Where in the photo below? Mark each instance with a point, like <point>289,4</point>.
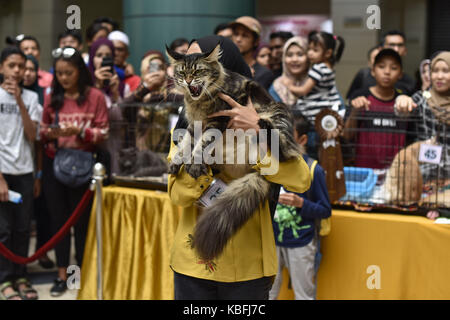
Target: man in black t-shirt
<point>246,34</point>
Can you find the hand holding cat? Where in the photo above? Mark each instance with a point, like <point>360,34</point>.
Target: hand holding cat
<point>242,117</point>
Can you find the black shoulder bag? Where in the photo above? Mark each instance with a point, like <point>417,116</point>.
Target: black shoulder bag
<point>72,167</point>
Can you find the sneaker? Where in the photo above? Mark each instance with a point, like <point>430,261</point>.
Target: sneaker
<point>59,287</point>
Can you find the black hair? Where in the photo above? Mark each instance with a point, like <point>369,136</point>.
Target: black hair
<point>8,51</point>
<point>388,53</point>
<point>84,81</point>
<point>71,33</point>
<point>434,55</point>
<point>178,43</point>
<point>285,35</point>
<point>393,33</point>
<point>328,41</point>
<point>29,38</point>
<point>92,30</point>
<point>371,50</point>
<point>221,27</point>
<point>109,20</point>
<point>301,123</point>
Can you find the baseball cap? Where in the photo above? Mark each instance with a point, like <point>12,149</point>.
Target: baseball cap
<point>249,22</point>
<point>388,53</point>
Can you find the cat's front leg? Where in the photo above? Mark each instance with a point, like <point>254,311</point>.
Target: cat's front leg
<point>210,135</point>
<point>196,170</point>
<point>183,153</point>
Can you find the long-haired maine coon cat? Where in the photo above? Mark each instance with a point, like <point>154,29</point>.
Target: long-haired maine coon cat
<point>202,77</point>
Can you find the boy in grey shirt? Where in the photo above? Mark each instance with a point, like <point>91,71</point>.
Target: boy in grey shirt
<point>20,112</point>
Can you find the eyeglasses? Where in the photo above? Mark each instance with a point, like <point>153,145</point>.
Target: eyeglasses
<point>66,52</point>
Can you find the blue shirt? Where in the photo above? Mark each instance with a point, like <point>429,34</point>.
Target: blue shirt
<point>316,205</point>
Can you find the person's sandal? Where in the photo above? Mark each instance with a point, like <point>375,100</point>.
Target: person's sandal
<point>25,290</point>
<point>3,296</point>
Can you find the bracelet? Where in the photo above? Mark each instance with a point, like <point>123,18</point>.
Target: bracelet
<point>38,175</point>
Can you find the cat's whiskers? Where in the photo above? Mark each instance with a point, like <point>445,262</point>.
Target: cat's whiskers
<point>207,92</point>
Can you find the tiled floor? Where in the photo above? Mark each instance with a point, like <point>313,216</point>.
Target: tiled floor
<point>42,279</point>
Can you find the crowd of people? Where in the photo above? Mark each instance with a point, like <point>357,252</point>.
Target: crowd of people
<point>79,101</point>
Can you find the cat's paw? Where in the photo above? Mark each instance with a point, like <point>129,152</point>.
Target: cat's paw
<point>196,170</point>
<point>174,168</point>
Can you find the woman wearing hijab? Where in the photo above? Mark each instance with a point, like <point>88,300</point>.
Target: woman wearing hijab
<point>248,264</point>
<point>295,70</point>
<point>155,87</point>
<point>30,78</point>
<point>432,109</point>
<point>30,82</point>
<point>114,90</point>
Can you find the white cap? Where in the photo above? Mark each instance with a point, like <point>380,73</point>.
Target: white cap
<point>119,35</point>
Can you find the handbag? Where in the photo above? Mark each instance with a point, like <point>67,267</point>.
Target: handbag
<point>72,167</point>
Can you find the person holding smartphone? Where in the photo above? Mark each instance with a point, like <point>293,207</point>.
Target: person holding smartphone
<point>82,124</point>
<point>19,114</point>
<point>101,65</point>
<point>155,87</point>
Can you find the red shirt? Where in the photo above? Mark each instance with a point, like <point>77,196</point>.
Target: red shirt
<point>44,78</point>
<point>91,117</point>
<point>133,82</point>
<point>381,135</point>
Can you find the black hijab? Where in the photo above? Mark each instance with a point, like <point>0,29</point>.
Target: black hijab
<point>35,86</point>
<point>231,60</point>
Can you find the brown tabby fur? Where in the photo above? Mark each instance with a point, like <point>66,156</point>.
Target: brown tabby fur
<point>247,188</point>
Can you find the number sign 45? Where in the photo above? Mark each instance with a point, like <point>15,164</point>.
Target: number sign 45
<point>430,154</point>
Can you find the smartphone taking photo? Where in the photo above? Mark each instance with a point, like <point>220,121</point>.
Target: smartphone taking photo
<point>108,62</point>
<point>154,66</point>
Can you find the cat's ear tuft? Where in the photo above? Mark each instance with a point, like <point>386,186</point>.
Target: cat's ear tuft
<point>214,54</point>
<point>172,55</point>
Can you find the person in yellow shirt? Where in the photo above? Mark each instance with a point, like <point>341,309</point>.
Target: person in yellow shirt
<point>248,264</point>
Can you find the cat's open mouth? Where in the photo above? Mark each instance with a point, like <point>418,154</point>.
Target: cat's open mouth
<point>196,90</point>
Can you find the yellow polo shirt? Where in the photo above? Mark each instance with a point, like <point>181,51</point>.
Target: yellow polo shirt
<point>250,253</point>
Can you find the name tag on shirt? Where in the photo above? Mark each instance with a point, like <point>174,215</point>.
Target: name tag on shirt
<point>430,154</point>
<point>214,190</point>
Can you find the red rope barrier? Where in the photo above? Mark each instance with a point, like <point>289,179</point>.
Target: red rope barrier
<point>55,239</point>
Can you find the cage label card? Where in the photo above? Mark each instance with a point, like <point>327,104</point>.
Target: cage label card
<point>430,154</point>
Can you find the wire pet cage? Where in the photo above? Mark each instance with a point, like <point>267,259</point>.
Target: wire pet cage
<point>140,143</point>
<point>385,167</point>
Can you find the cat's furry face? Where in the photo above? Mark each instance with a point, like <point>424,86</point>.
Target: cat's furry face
<point>200,75</point>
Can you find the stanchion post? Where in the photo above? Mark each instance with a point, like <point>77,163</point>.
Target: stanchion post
<point>99,173</point>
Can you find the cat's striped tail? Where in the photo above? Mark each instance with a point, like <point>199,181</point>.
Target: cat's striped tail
<point>229,212</point>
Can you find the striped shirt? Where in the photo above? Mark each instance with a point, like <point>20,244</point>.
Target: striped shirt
<point>324,95</point>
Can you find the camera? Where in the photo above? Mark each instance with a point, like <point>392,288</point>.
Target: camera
<point>108,62</point>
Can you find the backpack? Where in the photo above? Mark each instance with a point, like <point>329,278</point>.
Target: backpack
<point>325,224</point>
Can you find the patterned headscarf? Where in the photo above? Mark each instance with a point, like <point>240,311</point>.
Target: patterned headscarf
<point>287,96</point>
<point>440,103</point>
